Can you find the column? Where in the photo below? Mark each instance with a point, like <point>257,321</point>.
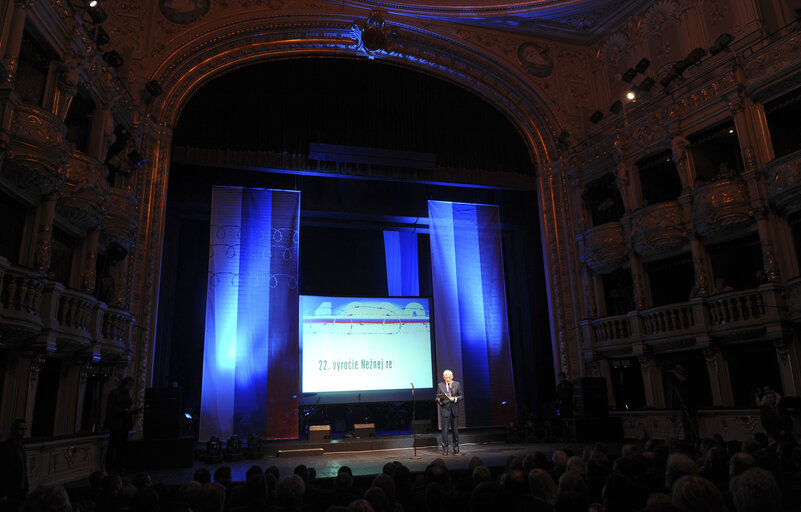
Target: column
<point>719,379</point>
<point>14,40</point>
<point>652,381</point>
<point>44,235</point>
<point>36,362</point>
<point>83,376</point>
<point>17,372</point>
<point>601,368</point>
<point>788,353</point>
<point>89,260</point>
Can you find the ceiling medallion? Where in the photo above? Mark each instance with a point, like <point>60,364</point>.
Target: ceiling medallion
<point>372,37</point>
<point>183,11</point>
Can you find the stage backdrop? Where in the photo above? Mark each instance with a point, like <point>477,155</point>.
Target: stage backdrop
<point>250,359</point>
<point>403,277</point>
<point>472,331</point>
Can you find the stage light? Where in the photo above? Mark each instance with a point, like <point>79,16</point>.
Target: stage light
<point>721,44</point>
<point>113,58</point>
<point>254,449</point>
<point>213,453</point>
<point>92,3</point>
<point>154,88</point>
<point>629,75</point>
<point>563,138</point>
<point>695,56</point>
<point>101,36</point>
<point>671,75</point>
<point>596,117</point>
<point>631,95</point>
<point>97,13</point>
<point>642,65</point>
<point>616,107</point>
<point>187,416</point>
<point>646,84</point>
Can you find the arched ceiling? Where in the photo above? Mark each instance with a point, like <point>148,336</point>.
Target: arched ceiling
<point>577,21</point>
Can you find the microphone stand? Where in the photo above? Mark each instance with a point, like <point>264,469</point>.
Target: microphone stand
<point>414,432</point>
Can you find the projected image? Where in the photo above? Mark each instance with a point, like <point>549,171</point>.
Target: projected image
<point>363,344</point>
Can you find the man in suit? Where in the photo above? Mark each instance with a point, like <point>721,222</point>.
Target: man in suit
<point>449,396</point>
<point>119,420</point>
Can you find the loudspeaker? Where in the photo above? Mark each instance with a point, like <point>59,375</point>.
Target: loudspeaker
<point>319,433</point>
<point>590,397</point>
<point>364,429</point>
<point>162,419</point>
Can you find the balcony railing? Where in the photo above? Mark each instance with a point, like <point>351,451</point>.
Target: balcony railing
<point>45,313</point>
<point>761,309</point>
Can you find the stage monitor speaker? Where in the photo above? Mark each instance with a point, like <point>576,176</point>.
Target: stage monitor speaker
<point>590,397</point>
<point>364,429</point>
<point>319,433</point>
<point>162,416</point>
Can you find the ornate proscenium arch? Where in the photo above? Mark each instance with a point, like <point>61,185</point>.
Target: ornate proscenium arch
<point>222,49</point>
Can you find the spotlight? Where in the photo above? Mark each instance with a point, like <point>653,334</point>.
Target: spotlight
<point>154,88</point>
<point>233,449</point>
<point>101,36</point>
<point>97,13</point>
<point>642,65</point>
<point>563,137</point>
<point>629,75</point>
<point>646,84</point>
<point>113,58</point>
<point>721,44</point>
<point>631,95</point>
<point>695,56</point>
<point>122,134</point>
<point>596,117</point>
<point>136,158</point>
<point>187,416</point>
<point>671,75</point>
<point>213,453</point>
<point>92,3</point>
<point>616,107</point>
<point>254,449</point>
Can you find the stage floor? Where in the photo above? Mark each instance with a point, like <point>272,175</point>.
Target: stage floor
<point>371,461</point>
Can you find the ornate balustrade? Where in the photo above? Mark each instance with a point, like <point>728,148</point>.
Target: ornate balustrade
<point>605,247</point>
<point>783,177</point>
<point>117,325</point>
<point>721,207</point>
<point>37,152</point>
<point>121,223</point>
<point>84,197</point>
<point>612,330</point>
<point>20,302</point>
<point>673,320</point>
<point>58,318</point>
<point>658,228</point>
<point>758,312</point>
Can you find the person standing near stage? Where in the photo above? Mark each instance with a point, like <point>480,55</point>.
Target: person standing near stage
<point>449,397</point>
<point>119,421</point>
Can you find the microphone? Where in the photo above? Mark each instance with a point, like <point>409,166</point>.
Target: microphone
<point>412,383</point>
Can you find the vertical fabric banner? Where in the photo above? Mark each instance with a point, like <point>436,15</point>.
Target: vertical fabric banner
<point>472,330</point>
<point>250,355</point>
<point>403,277</point>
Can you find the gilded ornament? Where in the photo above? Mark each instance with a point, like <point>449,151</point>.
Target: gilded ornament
<point>658,228</point>
<point>605,247</point>
<point>721,207</point>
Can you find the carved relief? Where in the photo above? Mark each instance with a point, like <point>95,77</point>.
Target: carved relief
<point>658,228</point>
<point>184,11</point>
<point>604,247</point>
<point>536,59</point>
<point>121,223</point>
<point>784,182</point>
<point>721,207</point>
<point>616,47</point>
<point>659,14</point>
<point>36,149</point>
<point>84,197</point>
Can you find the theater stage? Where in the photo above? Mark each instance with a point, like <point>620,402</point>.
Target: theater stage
<point>368,456</point>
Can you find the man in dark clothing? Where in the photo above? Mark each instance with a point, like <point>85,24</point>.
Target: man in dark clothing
<point>13,468</point>
<point>119,421</point>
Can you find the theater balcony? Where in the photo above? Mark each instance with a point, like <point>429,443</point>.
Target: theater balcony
<point>783,177</point>
<point>37,152</point>
<point>760,313</point>
<point>20,303</point>
<point>721,207</point>
<point>604,247</point>
<point>121,223</point>
<point>658,229</point>
<point>84,198</point>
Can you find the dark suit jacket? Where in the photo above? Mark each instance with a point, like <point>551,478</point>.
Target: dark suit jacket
<point>450,408</point>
